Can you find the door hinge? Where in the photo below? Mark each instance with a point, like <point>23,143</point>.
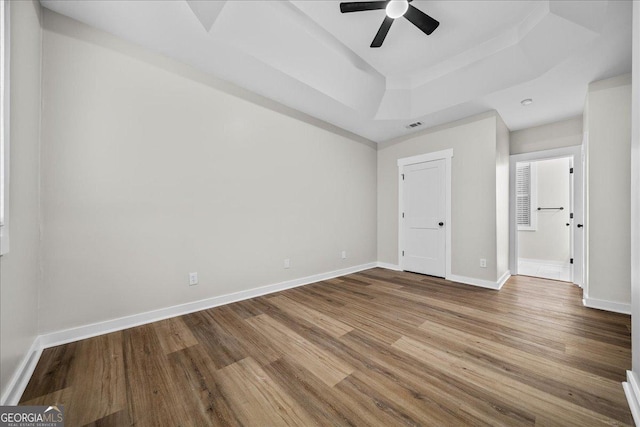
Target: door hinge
<point>571,215</point>
<point>570,170</point>
<point>402,214</point>
<point>402,253</point>
<point>403,177</point>
<point>571,261</point>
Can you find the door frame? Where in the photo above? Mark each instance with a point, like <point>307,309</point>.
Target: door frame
<point>577,200</point>
<point>445,155</point>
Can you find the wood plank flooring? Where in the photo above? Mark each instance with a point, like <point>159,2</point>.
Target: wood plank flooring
<point>372,348</point>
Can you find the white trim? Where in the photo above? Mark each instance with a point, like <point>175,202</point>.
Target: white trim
<point>574,152</point>
<point>389,266</point>
<point>22,374</point>
<point>462,279</point>
<point>445,155</point>
<point>448,224</point>
<point>581,201</point>
<point>632,391</point>
<point>87,331</point>
<point>556,153</point>
<point>497,285</point>
<point>427,157</point>
<point>502,280</point>
<point>600,304</point>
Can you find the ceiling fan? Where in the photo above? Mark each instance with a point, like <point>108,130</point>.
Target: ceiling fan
<point>394,9</point>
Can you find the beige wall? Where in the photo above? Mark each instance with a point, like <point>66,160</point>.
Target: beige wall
<point>19,271</point>
<point>473,190</point>
<point>551,241</point>
<point>502,197</point>
<point>148,174</point>
<point>608,206</point>
<point>563,133</point>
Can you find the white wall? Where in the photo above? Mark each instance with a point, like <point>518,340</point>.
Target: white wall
<point>473,190</point>
<point>633,376</point>
<point>502,197</point>
<point>19,271</point>
<point>563,133</point>
<point>551,241</point>
<point>151,171</point>
<point>608,220</point>
<point>635,196</point>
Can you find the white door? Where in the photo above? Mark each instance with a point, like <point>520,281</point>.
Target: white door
<point>423,226</point>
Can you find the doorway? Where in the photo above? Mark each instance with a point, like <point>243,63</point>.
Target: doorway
<point>546,214</point>
<point>543,215</point>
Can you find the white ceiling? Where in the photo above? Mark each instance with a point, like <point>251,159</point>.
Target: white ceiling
<point>307,55</point>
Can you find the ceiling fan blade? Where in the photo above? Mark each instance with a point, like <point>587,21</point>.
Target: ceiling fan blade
<point>382,32</point>
<point>421,20</point>
<point>359,6</point>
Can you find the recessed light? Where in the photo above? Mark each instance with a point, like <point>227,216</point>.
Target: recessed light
<point>526,102</point>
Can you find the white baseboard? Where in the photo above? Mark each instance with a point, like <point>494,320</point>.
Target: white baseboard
<point>616,307</point>
<point>461,279</point>
<point>497,285</point>
<point>22,375</point>
<point>389,266</point>
<point>502,280</point>
<point>632,392</point>
<point>74,334</point>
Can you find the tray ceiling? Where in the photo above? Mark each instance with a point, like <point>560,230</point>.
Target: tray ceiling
<point>307,55</point>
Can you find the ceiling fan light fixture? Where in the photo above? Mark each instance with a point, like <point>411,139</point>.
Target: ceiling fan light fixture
<point>396,8</point>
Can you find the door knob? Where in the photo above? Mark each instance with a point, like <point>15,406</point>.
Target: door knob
<point>441,224</point>
<point>567,224</point>
<point>580,226</point>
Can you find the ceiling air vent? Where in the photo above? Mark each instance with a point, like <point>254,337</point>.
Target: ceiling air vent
<point>413,125</point>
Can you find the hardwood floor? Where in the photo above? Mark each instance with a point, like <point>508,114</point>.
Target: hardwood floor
<point>372,348</point>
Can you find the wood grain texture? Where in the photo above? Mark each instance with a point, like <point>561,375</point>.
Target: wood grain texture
<point>318,361</point>
<point>254,395</point>
<point>373,348</point>
<point>328,323</point>
<point>174,335</point>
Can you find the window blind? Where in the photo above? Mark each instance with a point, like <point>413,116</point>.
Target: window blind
<point>523,194</point>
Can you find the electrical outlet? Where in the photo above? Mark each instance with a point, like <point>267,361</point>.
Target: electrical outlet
<point>344,254</point>
<point>483,263</point>
<point>193,279</point>
<point>287,263</point>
